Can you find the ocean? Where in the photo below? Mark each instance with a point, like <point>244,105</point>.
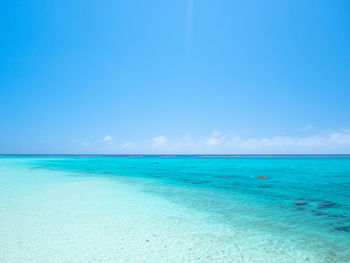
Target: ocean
<point>173,208</point>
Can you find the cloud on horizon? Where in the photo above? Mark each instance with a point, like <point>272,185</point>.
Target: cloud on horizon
<point>159,141</point>
<point>332,142</point>
<point>218,142</point>
<point>108,139</point>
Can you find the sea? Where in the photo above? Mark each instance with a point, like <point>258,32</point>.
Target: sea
<point>174,208</point>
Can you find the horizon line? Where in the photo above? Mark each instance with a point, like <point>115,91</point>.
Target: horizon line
<point>165,154</point>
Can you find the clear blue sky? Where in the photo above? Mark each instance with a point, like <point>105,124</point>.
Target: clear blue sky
<point>182,76</point>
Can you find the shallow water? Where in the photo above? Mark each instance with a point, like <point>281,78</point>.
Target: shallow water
<point>175,209</point>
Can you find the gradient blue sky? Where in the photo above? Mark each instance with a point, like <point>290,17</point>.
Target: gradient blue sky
<point>182,76</point>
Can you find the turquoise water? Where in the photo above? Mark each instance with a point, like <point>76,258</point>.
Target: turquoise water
<point>175,209</point>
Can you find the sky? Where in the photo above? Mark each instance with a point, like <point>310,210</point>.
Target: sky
<point>177,76</point>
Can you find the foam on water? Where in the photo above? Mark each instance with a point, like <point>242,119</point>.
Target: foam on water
<point>182,209</point>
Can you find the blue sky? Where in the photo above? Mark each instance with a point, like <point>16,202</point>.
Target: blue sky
<point>184,76</point>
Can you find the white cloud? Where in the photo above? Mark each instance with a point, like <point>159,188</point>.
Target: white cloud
<point>326,141</point>
<point>159,141</point>
<point>340,137</point>
<point>108,139</point>
<point>214,139</point>
<point>218,142</point>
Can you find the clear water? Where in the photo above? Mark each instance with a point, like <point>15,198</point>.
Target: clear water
<point>175,209</point>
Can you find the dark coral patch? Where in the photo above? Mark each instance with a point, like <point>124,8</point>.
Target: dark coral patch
<point>300,202</point>
<point>343,228</point>
<point>262,177</point>
<point>318,213</point>
<point>326,204</point>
